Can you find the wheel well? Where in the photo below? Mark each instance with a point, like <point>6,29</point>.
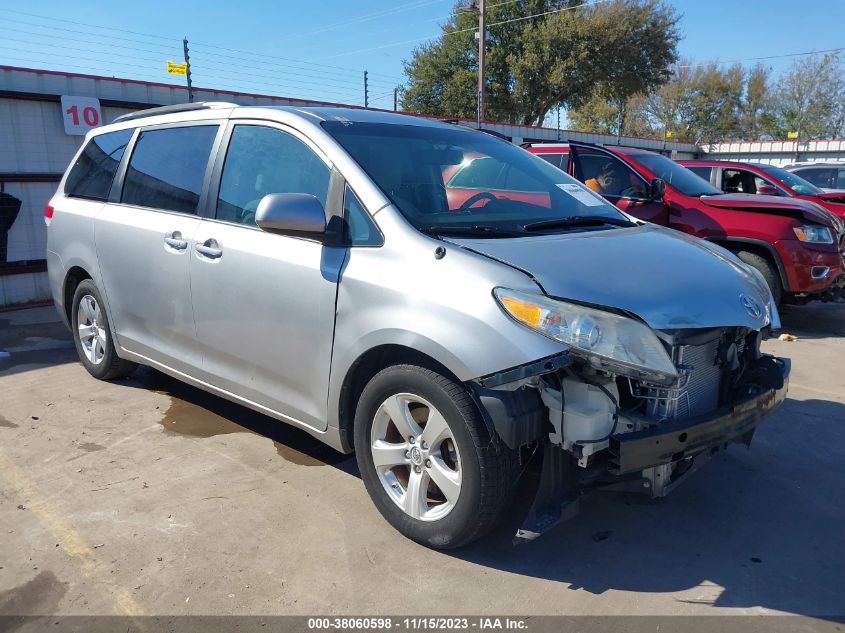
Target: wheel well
<point>368,365</point>
<point>73,278</point>
<point>758,249</point>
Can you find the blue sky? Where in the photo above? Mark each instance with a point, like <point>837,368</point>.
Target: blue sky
<point>320,49</point>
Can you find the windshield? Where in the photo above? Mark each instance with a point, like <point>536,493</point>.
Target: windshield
<point>676,175</point>
<point>793,181</point>
<point>455,179</point>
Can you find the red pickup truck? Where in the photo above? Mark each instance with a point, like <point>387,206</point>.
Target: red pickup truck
<point>796,244</point>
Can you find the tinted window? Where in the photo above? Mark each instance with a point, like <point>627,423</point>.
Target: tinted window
<point>819,176</point>
<point>558,160</point>
<point>609,176</point>
<point>701,172</point>
<point>840,180</point>
<point>675,175</point>
<point>262,160</point>
<point>167,168</point>
<point>93,173</point>
<point>359,226</point>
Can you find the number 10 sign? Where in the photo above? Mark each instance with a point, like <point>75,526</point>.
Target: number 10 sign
<point>80,114</point>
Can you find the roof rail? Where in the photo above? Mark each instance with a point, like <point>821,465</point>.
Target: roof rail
<point>171,109</point>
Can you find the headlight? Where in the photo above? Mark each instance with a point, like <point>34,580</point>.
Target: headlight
<point>594,334</point>
<point>813,233</point>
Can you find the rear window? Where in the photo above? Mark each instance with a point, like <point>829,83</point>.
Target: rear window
<point>93,173</point>
<point>167,168</point>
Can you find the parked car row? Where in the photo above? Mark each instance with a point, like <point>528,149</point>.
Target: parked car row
<point>790,231</point>
<point>433,298</point>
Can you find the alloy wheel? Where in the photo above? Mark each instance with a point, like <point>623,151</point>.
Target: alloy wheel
<point>416,457</point>
<point>92,334</point>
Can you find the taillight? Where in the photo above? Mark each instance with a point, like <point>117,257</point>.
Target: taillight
<point>48,214</point>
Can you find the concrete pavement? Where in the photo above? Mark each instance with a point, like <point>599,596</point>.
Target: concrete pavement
<point>146,496</point>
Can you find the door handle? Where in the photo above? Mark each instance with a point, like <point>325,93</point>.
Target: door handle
<point>174,240</point>
<point>210,249</point>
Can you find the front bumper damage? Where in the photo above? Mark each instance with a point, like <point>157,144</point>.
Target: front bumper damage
<point>653,460</point>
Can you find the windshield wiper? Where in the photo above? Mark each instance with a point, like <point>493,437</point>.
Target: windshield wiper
<point>480,230</point>
<point>578,220</point>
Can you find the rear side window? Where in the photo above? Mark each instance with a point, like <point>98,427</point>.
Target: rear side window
<point>561,161</point>
<point>92,175</point>
<point>698,170</point>
<point>167,167</point>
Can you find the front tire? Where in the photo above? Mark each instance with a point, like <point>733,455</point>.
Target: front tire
<point>92,335</point>
<point>427,458</point>
<point>769,272</point>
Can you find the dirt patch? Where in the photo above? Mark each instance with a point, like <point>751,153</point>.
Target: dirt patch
<point>39,596</point>
<point>195,413</point>
<point>6,423</point>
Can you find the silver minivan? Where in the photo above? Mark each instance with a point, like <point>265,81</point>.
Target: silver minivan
<point>431,297</point>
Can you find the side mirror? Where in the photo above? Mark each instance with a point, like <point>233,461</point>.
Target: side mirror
<point>657,189</point>
<point>767,190</point>
<point>292,214</point>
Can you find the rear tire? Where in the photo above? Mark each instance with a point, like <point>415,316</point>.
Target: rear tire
<point>92,335</point>
<point>440,448</point>
<point>769,272</point>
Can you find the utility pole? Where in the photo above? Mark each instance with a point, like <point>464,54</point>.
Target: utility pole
<point>366,91</point>
<point>188,70</point>
<point>482,35</point>
<point>558,123</point>
<point>395,99</point>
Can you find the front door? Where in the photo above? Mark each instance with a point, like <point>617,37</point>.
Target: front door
<point>264,303</point>
<point>143,241</point>
<point>611,178</point>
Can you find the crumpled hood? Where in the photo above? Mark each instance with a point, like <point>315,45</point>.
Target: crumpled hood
<point>806,210</point>
<point>668,279</point>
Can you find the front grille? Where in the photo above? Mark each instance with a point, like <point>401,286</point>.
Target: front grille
<point>699,389</point>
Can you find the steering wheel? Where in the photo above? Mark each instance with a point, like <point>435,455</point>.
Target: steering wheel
<point>481,195</point>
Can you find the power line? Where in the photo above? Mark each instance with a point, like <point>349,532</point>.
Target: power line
<point>288,59</point>
<point>95,26</point>
<point>756,59</point>
<point>94,59</point>
<point>276,65</point>
<point>82,50</point>
<point>475,28</point>
<point>414,4</point>
<point>171,39</point>
<point>70,39</point>
<point>62,29</point>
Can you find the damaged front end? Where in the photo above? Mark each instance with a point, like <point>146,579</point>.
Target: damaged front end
<point>601,423</point>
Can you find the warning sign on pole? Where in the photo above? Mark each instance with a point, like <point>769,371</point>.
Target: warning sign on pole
<point>177,69</point>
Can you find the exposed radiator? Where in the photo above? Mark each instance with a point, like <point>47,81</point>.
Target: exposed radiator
<point>699,392</point>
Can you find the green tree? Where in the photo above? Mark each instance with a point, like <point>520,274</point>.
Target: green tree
<point>564,55</point>
<point>809,98</point>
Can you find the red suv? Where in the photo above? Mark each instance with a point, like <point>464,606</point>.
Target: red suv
<point>796,244</point>
<point>756,178</point>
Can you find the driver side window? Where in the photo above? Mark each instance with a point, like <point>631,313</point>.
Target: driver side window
<point>262,160</point>
<point>609,176</point>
